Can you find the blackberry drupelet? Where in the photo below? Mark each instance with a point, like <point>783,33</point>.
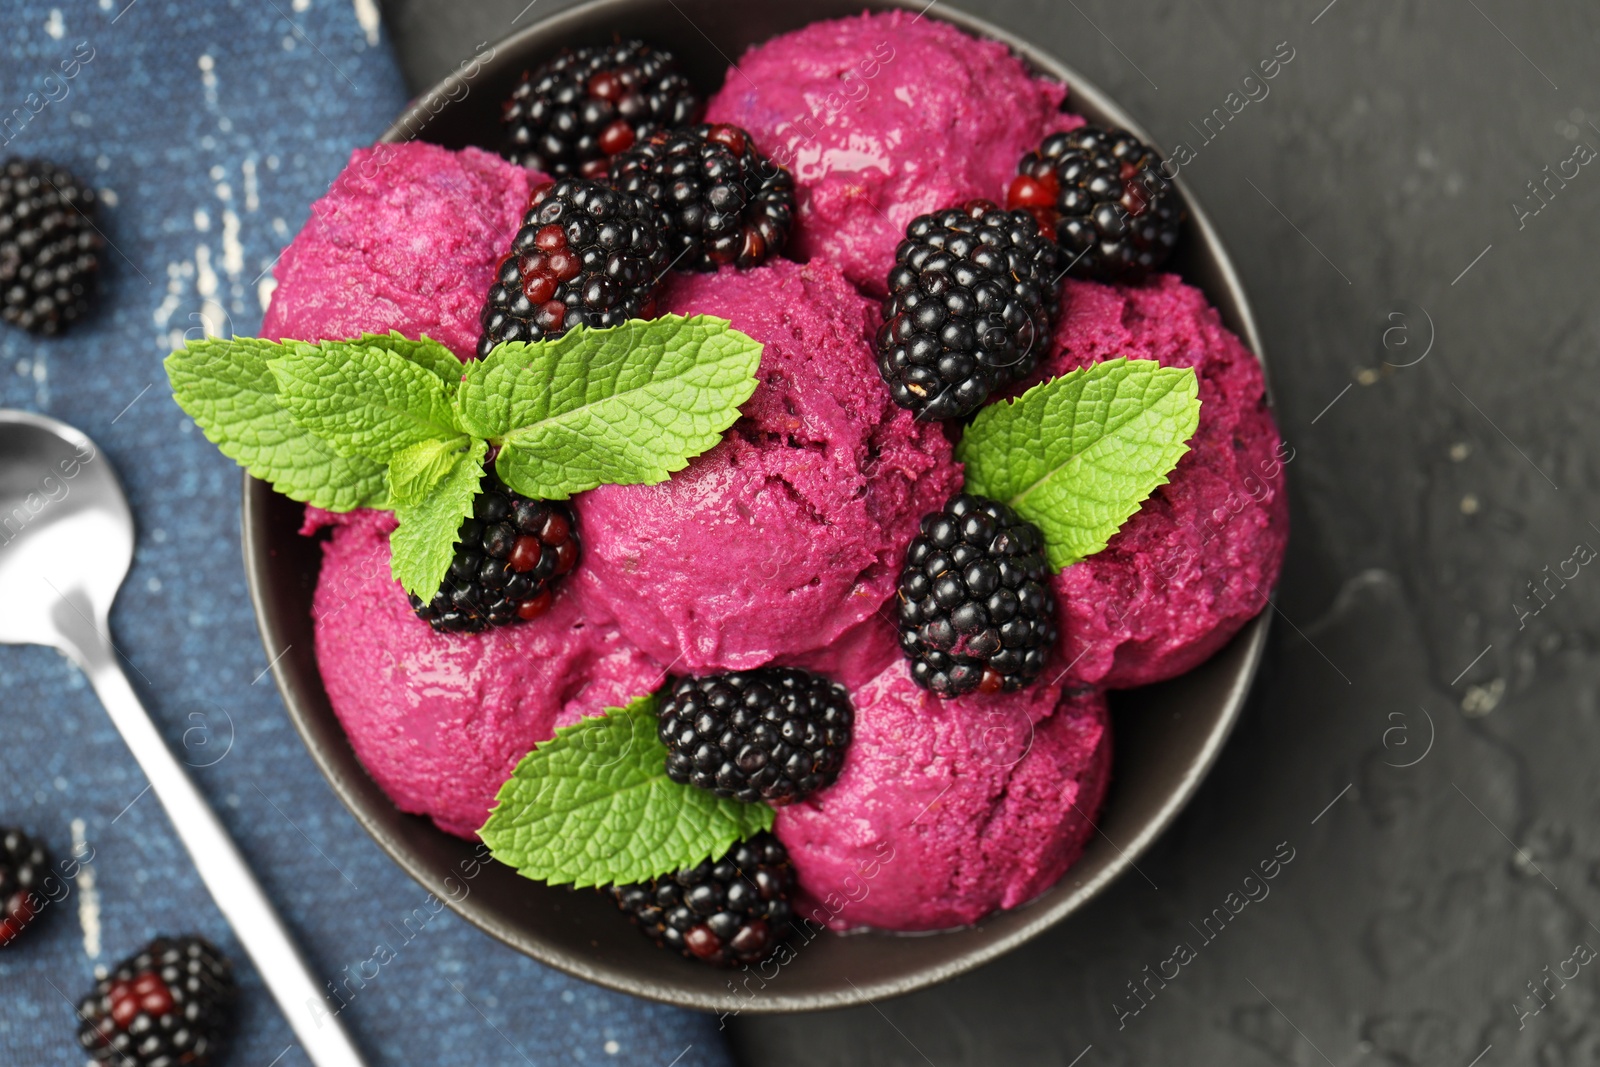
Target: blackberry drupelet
<point>23,865</point>
<point>1101,192</point>
<point>509,557</point>
<point>971,297</point>
<point>729,911</point>
<point>585,255</point>
<point>572,114</point>
<point>976,613</point>
<point>776,734</point>
<point>725,202</point>
<point>168,1006</point>
<point>49,247</point>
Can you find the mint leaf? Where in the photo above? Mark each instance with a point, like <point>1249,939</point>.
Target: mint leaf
<point>224,385</point>
<point>422,545</point>
<point>424,352</point>
<point>387,421</point>
<point>362,399</point>
<point>594,806</point>
<point>626,406</point>
<point>1078,454</point>
<point>414,471</point>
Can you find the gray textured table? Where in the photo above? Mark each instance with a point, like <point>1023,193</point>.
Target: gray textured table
<point>1421,742</point>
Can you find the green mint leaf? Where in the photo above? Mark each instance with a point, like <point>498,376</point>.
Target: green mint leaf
<point>415,470</point>
<point>626,406</point>
<point>424,352</point>
<point>1078,454</point>
<point>422,545</point>
<point>594,806</point>
<point>362,399</point>
<point>225,386</point>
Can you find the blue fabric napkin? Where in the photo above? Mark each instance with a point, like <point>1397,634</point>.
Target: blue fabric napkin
<point>211,127</point>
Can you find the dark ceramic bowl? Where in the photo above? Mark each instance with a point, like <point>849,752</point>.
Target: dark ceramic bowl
<point>1166,736</point>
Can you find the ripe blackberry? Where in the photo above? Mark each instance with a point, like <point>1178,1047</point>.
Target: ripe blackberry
<point>572,114</point>
<point>170,1005</point>
<point>971,297</point>
<point>725,202</point>
<point>49,248</point>
<point>586,255</point>
<point>776,734</point>
<point>509,556</point>
<point>976,612</point>
<point>23,865</point>
<point>1101,192</point>
<point>727,911</point>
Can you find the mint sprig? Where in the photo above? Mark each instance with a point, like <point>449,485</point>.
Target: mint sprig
<point>594,806</point>
<point>383,421</point>
<point>364,399</point>
<point>425,353</point>
<point>624,406</point>
<point>421,546</point>
<point>1078,454</point>
<point>226,388</point>
<point>416,469</point>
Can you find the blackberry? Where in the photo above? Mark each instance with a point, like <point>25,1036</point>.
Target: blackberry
<point>23,865</point>
<point>776,734</point>
<point>170,1005</point>
<point>971,297</point>
<point>976,612</point>
<point>508,558</point>
<point>725,202</point>
<point>727,911</point>
<point>572,114</point>
<point>49,247</point>
<point>585,255</point>
<point>1101,192</point>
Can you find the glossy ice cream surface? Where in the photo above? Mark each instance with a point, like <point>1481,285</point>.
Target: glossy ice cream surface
<point>439,720</point>
<point>884,117</point>
<point>407,238</point>
<point>949,809</point>
<point>1198,559</point>
<point>790,531</point>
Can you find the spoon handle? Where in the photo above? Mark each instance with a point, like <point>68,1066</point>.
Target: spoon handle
<point>222,868</point>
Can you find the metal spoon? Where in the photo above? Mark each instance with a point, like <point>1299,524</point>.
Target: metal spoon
<point>66,541</point>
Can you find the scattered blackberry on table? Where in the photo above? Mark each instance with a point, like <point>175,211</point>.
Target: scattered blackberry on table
<point>23,865</point>
<point>727,911</point>
<point>971,297</point>
<point>1101,192</point>
<point>509,557</point>
<point>572,114</point>
<point>49,247</point>
<point>168,1006</point>
<point>776,734</point>
<point>585,255</point>
<point>725,202</point>
<point>976,612</point>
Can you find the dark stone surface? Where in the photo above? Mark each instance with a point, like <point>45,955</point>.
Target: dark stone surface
<point>1371,190</point>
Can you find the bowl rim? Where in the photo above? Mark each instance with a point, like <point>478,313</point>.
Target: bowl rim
<point>1237,315</point>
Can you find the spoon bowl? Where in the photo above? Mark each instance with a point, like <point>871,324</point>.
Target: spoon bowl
<point>66,534</point>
